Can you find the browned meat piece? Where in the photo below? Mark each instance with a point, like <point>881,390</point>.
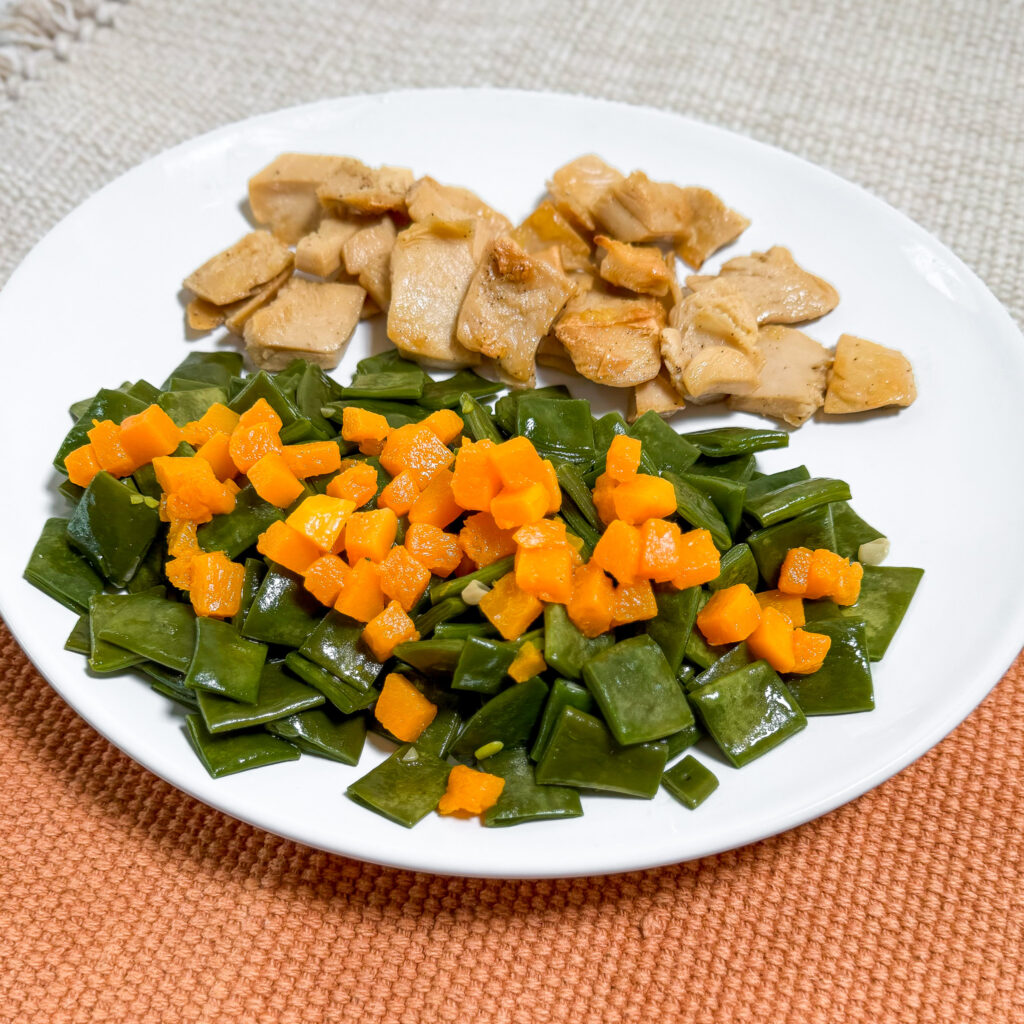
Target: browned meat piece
<point>311,319</point>
<point>429,198</point>
<point>656,395</point>
<point>238,313</point>
<point>546,227</point>
<point>612,341</point>
<point>710,348</point>
<point>551,353</point>
<point>778,289</point>
<point>234,273</point>
<point>367,255</point>
<point>201,315</point>
<point>283,194</point>
<point>868,376</point>
<point>712,225</point>
<point>640,268</point>
<point>791,385</point>
<point>577,186</point>
<point>510,305</point>
<point>319,253</point>
<point>432,264</point>
<point>637,209</point>
<point>356,188</point>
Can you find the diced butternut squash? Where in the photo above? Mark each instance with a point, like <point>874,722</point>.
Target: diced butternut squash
<point>216,585</point>
<point>370,535</point>
<point>546,573</point>
<point>148,434</point>
<point>604,497</point>
<point>361,597</point>
<point>823,573</point>
<point>250,443</point>
<point>217,452</point>
<point>618,551</point>
<point>772,641</point>
<point>475,479</point>
<point>847,588</point>
<point>731,615</point>
<point>402,709</point>
<point>517,462</point>
<point>470,792</point>
<point>528,662</point>
<point>357,482</point>
<point>699,560</point>
<point>593,594</point>
<point>325,577</point>
<point>273,481</point>
<point>791,605</point>
<point>794,571</point>
<point>322,519</point>
<point>191,490</point>
<point>446,425</point>
<point>105,438</point>
<point>369,430</point>
<point>385,631</point>
<point>549,480</point>
<point>634,602</point>
<point>510,610</point>
<point>261,411</point>
<point>218,419</point>
<point>182,541</point>
<point>399,493</point>
<point>402,577</point>
<point>435,550</point>
<point>544,533</point>
<point>514,507</point>
<point>284,544</point>
<point>484,541</point>
<point>660,544</point>
<point>623,459</point>
<point>179,572</point>
<point>643,497</point>
<point>82,465</point>
<point>436,503</point>
<point>809,651</point>
<point>416,448</point>
<point>313,459</point>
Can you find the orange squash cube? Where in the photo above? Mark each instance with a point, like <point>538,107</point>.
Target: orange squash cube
<point>445,424</point>
<point>316,458</point>
<point>436,504</point>
<point>484,541</point>
<point>370,535</point>
<point>517,463</point>
<point>217,452</point>
<point>284,544</point>
<point>623,459</point>
<point>416,448</point>
<point>731,615</point>
<point>604,497</point>
<point>660,543</point>
<point>643,497</point>
<point>435,550</point>
<point>512,508</point>
<point>544,533</point>
<point>847,588</point>
<point>402,709</point>
<point>590,607</point>
<point>148,434</point>
<point>546,573</point>
<point>321,518</point>
<point>475,480</point>
<point>528,662</point>
<point>261,411</point>
<point>634,602</point>
<point>361,597</point>
<point>510,610</point>
<point>385,631</point>
<point>618,551</point>
<point>402,577</point>
<point>794,571</point>
<point>218,419</point>
<point>250,443</point>
<point>81,465</point>
<point>367,429</point>
<point>325,577</point>
<point>216,585</point>
<point>399,494</point>
<point>549,480</point>
<point>809,651</point>
<point>699,560</point>
<point>110,453</point>
<point>182,541</point>
<point>772,641</point>
<point>791,605</point>
<point>357,482</point>
<point>273,481</point>
<point>470,792</point>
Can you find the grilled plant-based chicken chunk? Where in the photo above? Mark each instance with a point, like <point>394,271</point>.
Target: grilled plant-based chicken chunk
<point>429,198</point>
<point>657,395</point>
<point>511,303</point>
<point>640,268</point>
<point>778,289</point>
<point>610,340</point>
<point>712,225</point>
<point>311,319</point>
<point>710,348</point>
<point>354,187</point>
<point>367,255</point>
<point>546,227</point>
<point>319,253</point>
<point>432,263</point>
<point>577,187</point>
<point>283,194</point>
<point>868,376</point>
<point>791,384</point>
<point>240,269</point>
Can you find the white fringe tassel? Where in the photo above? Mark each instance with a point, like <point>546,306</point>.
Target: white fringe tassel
<point>34,29</point>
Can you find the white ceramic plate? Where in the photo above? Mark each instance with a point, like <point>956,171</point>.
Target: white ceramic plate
<point>97,302</point>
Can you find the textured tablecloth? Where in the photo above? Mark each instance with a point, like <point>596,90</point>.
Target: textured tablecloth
<point>123,900</point>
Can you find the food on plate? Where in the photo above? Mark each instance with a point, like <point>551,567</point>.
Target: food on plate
<point>529,602</point>
<point>586,284</point>
<point>867,376</point>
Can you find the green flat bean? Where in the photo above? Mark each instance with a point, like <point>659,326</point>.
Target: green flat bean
<point>280,695</point>
<point>255,573</point>
<point>216,368</point>
<point>762,485</point>
<point>464,630</point>
<point>506,409</point>
<point>346,698</point>
<point>671,627</point>
<point>738,566</point>
<point>843,683</point>
<point>323,734</point>
<point>740,468</point>
<point>795,499</point>
<point>185,406</point>
<point>522,799</point>
<point>237,751</point>
<point>405,788</point>
<point>59,571</point>
<point>450,608</point>
<point>313,390</point>
<point>107,405</point>
<point>225,663</point>
<point>442,732</point>
<point>728,660</point>
<point>813,529</point>
<point>104,657</point>
<point>690,782</point>
<point>336,644</point>
<point>488,574</point>
<point>447,393</point>
<point>169,684</point>
<point>697,509</point>
<point>728,442</point>
<point>570,478</point>
<point>158,629</point>
<point>392,385</point>
<point>438,657</point>
<point>509,718</point>
<point>561,430</point>
<point>566,649</point>
<point>669,451</point>
<point>563,694</point>
<point>851,530</point>
<point>78,639</point>
<point>284,612</point>
<point>726,495</point>
<point>483,665</point>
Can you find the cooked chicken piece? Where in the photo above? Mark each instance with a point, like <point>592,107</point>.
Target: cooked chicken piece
<point>712,225</point>
<point>283,194</point>
<point>778,289</point>
<point>234,273</point>
<point>551,353</point>
<point>432,264</point>
<point>311,319</point>
<point>510,305</point>
<point>238,313</point>
<point>640,268</point>
<point>429,198</point>
<point>319,253</point>
<point>546,227</point>
<point>201,315</point>
<point>791,385</point>
<point>637,209</point>
<point>710,348</point>
<point>612,341</point>
<point>370,309</point>
<point>868,376</point>
<point>576,188</point>
<point>356,188</point>
<point>656,395</point>
<point>367,255</point>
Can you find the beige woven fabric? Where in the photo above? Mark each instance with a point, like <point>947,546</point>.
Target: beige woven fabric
<point>124,900</point>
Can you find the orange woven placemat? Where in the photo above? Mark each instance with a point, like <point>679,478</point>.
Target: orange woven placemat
<point>122,899</point>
